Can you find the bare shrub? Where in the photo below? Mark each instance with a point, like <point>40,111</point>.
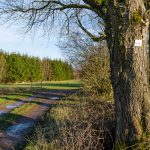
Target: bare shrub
<point>77,126</point>
<point>96,72</point>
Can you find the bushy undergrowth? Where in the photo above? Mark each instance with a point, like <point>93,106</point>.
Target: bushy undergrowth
<point>84,121</point>
<point>76,123</point>
<point>96,72</point>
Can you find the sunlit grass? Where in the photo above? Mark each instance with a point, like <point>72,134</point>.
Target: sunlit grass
<point>69,84</point>
<point>6,99</point>
<point>75,121</point>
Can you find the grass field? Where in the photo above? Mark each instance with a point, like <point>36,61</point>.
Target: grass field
<point>69,84</point>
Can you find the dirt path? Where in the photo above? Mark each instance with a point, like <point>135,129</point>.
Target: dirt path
<point>25,123</point>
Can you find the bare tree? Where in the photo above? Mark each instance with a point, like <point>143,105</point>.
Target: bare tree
<point>75,47</point>
<point>90,60</point>
<point>126,31</point>
<point>77,44</point>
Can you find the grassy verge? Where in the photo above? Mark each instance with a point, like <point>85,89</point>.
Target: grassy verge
<point>6,99</point>
<point>70,84</point>
<point>76,122</point>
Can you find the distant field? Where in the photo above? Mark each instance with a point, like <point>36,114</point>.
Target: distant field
<point>70,84</point>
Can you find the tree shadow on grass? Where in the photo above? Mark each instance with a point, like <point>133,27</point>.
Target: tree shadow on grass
<point>36,101</point>
<point>38,85</point>
<point>76,85</point>
<point>9,119</point>
<point>43,96</point>
<point>20,94</point>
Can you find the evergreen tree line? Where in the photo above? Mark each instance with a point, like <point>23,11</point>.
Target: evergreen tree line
<point>15,67</point>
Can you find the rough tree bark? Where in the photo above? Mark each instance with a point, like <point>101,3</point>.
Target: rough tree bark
<point>125,21</point>
<point>129,66</point>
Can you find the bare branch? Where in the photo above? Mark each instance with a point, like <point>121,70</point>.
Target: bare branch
<point>93,37</point>
<point>46,14</point>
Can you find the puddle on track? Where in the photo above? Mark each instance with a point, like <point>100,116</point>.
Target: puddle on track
<point>19,130</point>
<point>29,99</point>
<point>54,98</point>
<point>15,105</point>
<point>12,106</point>
<point>45,105</point>
<point>25,126</point>
<point>2,112</point>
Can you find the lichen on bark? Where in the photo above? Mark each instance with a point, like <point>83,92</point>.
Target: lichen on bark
<point>136,17</point>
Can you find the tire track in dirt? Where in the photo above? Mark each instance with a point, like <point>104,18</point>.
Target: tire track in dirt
<point>10,107</point>
<point>24,124</point>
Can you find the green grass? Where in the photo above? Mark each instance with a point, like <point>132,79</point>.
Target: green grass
<point>76,122</point>
<point>53,121</point>
<point>69,84</point>
<point>73,123</point>
<point>9,97</point>
<point>10,118</point>
<point>6,99</point>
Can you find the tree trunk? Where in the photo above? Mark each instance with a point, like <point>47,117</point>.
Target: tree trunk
<point>129,66</point>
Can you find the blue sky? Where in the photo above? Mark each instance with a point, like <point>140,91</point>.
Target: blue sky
<point>14,40</point>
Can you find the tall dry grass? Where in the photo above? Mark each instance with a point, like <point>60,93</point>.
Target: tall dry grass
<point>84,121</point>
<point>76,123</point>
